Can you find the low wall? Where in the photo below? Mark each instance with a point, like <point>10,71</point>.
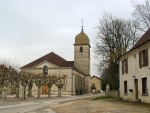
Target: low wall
<point>113,93</point>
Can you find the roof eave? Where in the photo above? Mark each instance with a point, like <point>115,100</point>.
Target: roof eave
<point>134,48</point>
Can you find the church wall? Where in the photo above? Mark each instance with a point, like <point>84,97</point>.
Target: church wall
<point>66,90</point>
<point>78,82</point>
<point>87,84</point>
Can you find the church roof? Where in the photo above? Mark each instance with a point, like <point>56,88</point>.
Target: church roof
<point>71,63</point>
<point>82,39</point>
<point>52,58</point>
<point>145,38</point>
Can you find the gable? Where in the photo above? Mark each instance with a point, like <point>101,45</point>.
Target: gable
<point>46,63</point>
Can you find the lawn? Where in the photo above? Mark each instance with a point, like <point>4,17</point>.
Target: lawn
<point>103,98</point>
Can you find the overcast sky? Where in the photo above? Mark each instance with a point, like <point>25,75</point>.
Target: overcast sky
<point>30,29</point>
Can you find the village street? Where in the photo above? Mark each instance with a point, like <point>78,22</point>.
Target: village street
<point>38,105</point>
<point>72,104</point>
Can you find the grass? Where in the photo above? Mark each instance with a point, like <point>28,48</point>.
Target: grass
<point>103,98</point>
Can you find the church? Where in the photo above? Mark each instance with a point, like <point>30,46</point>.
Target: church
<point>77,72</point>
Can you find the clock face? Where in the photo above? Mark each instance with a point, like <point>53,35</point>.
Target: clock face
<point>81,54</point>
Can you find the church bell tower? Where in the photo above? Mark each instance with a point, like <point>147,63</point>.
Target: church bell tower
<point>82,56</point>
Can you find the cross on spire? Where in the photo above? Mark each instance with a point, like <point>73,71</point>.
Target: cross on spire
<point>82,24</point>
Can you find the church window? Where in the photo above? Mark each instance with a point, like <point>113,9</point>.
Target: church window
<point>81,49</point>
<point>45,70</point>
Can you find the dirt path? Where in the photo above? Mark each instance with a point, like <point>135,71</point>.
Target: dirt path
<point>100,106</point>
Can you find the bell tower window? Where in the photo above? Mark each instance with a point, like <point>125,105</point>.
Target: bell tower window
<point>81,49</point>
<point>45,70</point>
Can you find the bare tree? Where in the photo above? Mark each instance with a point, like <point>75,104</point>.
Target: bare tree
<point>142,14</point>
<point>114,38</point>
<point>24,82</point>
<point>5,78</point>
<point>39,81</point>
<point>16,82</point>
<point>50,80</point>
<point>30,83</point>
<point>60,82</point>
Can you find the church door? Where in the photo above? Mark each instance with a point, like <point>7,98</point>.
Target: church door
<point>44,89</point>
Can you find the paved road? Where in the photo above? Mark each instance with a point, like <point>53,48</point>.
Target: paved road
<point>38,105</point>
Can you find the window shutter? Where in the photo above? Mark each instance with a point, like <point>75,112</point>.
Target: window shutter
<point>146,57</point>
<point>126,65</point>
<point>122,67</point>
<point>140,65</point>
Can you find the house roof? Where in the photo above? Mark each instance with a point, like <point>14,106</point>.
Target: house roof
<point>94,77</point>
<point>145,38</point>
<point>52,58</point>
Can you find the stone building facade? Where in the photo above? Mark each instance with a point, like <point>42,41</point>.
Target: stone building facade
<point>135,71</point>
<point>95,84</point>
<point>77,72</point>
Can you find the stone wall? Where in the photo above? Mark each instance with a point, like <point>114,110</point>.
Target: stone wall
<point>113,93</point>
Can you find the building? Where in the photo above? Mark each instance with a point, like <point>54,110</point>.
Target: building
<point>95,84</point>
<point>77,72</point>
<point>135,71</point>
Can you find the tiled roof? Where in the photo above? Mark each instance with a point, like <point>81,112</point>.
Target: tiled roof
<point>52,58</point>
<point>94,76</point>
<point>71,63</point>
<point>82,39</point>
<point>145,38</point>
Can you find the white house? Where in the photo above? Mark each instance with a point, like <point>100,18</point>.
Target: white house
<point>135,71</point>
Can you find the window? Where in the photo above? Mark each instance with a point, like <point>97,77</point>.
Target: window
<point>125,87</point>
<point>134,55</point>
<point>81,49</point>
<point>125,66</point>
<point>45,70</point>
<point>143,58</point>
<point>144,86</point>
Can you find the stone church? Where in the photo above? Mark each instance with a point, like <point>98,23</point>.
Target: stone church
<point>77,72</point>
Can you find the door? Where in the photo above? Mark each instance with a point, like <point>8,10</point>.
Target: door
<point>136,88</point>
<point>44,89</point>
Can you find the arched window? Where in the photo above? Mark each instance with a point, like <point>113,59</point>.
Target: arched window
<point>45,70</point>
<point>81,49</point>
